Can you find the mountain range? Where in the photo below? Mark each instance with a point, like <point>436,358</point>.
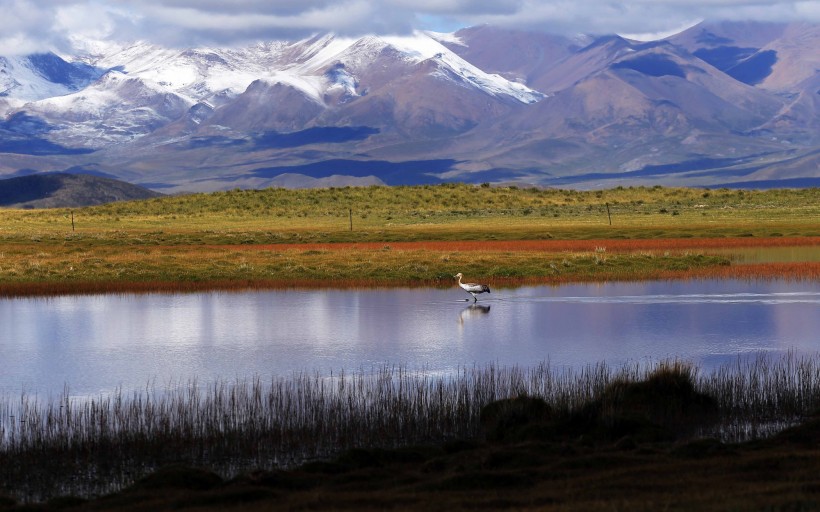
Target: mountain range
<point>719,104</point>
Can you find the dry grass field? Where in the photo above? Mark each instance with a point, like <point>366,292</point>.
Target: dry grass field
<point>401,236</point>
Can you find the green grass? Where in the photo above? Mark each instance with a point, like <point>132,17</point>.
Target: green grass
<point>442,212</point>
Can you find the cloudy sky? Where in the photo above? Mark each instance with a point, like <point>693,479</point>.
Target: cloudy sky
<point>36,25</point>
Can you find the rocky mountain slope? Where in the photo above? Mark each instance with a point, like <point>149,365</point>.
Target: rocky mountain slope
<point>718,104</point>
<point>49,190</point>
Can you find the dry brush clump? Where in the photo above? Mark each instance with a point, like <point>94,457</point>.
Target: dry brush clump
<point>93,445</point>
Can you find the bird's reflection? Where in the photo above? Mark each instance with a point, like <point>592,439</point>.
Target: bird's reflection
<point>473,311</point>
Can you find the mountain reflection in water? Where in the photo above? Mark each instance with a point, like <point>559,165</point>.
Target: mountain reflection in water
<point>97,343</point>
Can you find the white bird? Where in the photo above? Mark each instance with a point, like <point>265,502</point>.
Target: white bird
<point>472,288</point>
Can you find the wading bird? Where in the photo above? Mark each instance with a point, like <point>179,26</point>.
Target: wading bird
<point>472,288</point>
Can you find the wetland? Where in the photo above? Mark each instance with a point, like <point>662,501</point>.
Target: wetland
<point>641,347</point>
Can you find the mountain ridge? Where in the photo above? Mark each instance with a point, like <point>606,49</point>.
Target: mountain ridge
<point>498,104</point>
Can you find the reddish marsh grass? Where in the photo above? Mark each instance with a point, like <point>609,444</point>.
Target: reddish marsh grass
<point>809,271</point>
<point>611,244</point>
<point>181,269</point>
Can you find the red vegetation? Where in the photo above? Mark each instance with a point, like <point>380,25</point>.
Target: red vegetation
<point>799,271</point>
<point>805,271</point>
<point>611,244</point>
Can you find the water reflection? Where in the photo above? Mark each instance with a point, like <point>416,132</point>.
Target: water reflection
<point>473,311</point>
<point>96,343</point>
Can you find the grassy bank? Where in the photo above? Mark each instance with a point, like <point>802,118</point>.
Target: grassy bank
<point>440,212</point>
<point>401,236</point>
<point>51,447</point>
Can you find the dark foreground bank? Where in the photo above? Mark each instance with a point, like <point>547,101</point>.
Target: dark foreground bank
<point>642,441</point>
<point>781,473</point>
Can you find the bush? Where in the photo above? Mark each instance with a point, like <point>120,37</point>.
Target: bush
<point>510,419</point>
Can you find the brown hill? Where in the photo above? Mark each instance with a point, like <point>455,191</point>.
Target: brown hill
<point>60,190</point>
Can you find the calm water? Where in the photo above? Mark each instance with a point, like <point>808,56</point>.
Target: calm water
<point>96,343</point>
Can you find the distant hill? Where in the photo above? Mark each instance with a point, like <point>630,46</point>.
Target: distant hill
<point>61,190</point>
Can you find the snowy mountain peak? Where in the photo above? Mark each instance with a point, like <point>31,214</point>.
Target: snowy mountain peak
<point>42,75</point>
<point>420,107</point>
<point>423,47</point>
<point>356,56</point>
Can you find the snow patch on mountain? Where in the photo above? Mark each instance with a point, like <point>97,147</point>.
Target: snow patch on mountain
<point>493,84</point>
<point>312,86</point>
<point>446,37</point>
<point>423,47</point>
<point>414,49</point>
<point>340,80</point>
<point>317,52</point>
<point>114,109</point>
<point>213,74</point>
<point>218,75</point>
<point>20,80</point>
<point>146,86</point>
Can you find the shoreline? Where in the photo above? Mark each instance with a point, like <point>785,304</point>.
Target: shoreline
<point>809,272</point>
<point>507,263</point>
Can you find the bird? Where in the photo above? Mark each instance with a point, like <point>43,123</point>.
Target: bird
<point>472,288</point>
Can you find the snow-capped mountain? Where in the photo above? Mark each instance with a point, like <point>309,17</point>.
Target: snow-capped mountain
<point>114,109</point>
<point>713,105</point>
<point>315,66</point>
<point>39,76</point>
<point>199,74</point>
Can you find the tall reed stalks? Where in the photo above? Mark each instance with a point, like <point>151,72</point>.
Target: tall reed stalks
<point>93,445</point>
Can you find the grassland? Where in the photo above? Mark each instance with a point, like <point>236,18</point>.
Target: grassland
<point>400,236</point>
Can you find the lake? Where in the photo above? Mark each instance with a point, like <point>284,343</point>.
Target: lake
<point>93,344</point>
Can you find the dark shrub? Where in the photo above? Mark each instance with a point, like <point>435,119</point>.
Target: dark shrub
<point>180,477</point>
<point>664,406</point>
<point>512,418</point>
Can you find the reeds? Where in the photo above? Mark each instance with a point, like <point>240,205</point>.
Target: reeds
<point>758,396</point>
<point>93,445</point>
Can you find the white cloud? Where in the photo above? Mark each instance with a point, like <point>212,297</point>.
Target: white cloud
<point>643,16</point>
<point>49,24</point>
<point>21,27</point>
<point>654,36</point>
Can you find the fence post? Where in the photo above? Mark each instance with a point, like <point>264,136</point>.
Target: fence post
<point>350,216</point>
<point>608,214</point>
